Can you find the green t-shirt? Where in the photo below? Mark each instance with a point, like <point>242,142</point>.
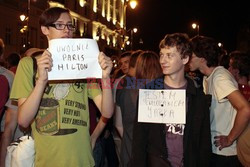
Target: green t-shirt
<point>61,126</point>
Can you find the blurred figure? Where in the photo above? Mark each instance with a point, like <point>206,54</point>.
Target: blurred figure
<point>12,61</point>
<point>239,67</point>
<point>124,61</point>
<point>126,97</point>
<point>9,126</point>
<point>175,145</point>
<point>123,65</point>
<point>230,111</point>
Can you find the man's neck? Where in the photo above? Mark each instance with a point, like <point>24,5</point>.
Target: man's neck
<point>207,70</point>
<point>175,81</point>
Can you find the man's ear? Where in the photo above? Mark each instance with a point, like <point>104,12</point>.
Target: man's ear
<point>45,30</point>
<point>203,60</point>
<point>185,60</point>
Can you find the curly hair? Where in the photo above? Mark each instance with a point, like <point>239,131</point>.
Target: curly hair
<point>206,48</point>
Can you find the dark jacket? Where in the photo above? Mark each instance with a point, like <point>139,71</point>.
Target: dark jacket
<point>149,146</point>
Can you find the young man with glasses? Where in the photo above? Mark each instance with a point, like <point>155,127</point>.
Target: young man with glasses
<point>59,142</point>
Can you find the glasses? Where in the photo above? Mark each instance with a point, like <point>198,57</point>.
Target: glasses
<point>58,26</point>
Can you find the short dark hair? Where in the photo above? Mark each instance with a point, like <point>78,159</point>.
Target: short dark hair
<point>207,48</point>
<point>125,54</point>
<point>51,15</point>
<point>240,61</point>
<point>13,59</point>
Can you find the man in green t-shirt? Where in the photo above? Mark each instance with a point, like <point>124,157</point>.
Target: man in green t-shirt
<point>58,111</point>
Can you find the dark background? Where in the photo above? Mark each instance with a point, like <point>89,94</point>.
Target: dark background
<point>221,20</point>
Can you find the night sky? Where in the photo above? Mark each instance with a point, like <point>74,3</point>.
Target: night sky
<point>155,18</point>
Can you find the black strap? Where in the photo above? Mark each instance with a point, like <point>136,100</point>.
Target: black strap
<point>33,56</point>
<point>34,70</point>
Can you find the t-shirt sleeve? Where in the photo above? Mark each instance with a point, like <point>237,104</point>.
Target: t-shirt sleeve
<point>93,90</point>
<point>224,85</point>
<point>23,81</point>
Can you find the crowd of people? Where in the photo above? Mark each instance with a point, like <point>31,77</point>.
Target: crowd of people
<point>215,133</point>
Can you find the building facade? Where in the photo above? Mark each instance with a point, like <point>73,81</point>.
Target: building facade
<point>102,20</point>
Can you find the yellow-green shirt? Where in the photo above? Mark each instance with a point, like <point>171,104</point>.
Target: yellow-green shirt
<point>61,126</point>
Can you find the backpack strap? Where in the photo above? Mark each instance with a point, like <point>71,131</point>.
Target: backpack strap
<point>34,70</point>
<point>33,56</point>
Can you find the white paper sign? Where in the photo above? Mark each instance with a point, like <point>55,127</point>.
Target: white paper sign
<point>74,58</point>
<point>162,106</point>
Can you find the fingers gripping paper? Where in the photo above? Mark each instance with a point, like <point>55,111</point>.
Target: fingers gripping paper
<point>74,58</point>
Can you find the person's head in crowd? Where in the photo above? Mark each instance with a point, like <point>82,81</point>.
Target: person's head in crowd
<point>206,53</point>
<point>12,61</point>
<point>148,66</point>
<point>224,61</point>
<point>175,51</point>
<point>124,60</point>
<point>54,19</point>
<point>32,51</point>
<point>239,65</point>
<point>132,62</point>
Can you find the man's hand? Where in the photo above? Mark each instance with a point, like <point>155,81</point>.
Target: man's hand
<point>44,64</point>
<point>222,142</point>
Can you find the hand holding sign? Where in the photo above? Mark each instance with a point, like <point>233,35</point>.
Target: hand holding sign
<point>106,65</point>
<point>162,106</point>
<point>44,64</point>
<point>74,58</point>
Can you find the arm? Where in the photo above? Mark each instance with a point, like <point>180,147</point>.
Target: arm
<point>241,120</point>
<point>27,107</point>
<point>106,99</point>
<point>98,130</point>
<point>9,130</point>
<point>118,120</point>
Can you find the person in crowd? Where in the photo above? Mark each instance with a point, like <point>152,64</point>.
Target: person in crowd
<point>12,61</point>
<point>123,65</point>
<point>9,127</point>
<point>230,111</point>
<point>159,144</point>
<point>62,143</point>
<point>126,97</point>
<point>4,89</point>
<point>120,85</point>
<point>239,66</point>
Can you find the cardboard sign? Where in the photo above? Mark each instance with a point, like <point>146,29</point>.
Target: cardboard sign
<point>162,106</point>
<point>74,58</point>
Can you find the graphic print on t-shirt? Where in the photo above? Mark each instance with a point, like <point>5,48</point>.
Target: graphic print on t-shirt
<point>49,119</point>
<point>177,129</point>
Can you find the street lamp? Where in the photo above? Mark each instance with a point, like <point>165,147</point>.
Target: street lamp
<point>133,4</point>
<point>23,17</point>
<point>196,26</point>
<point>132,31</point>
